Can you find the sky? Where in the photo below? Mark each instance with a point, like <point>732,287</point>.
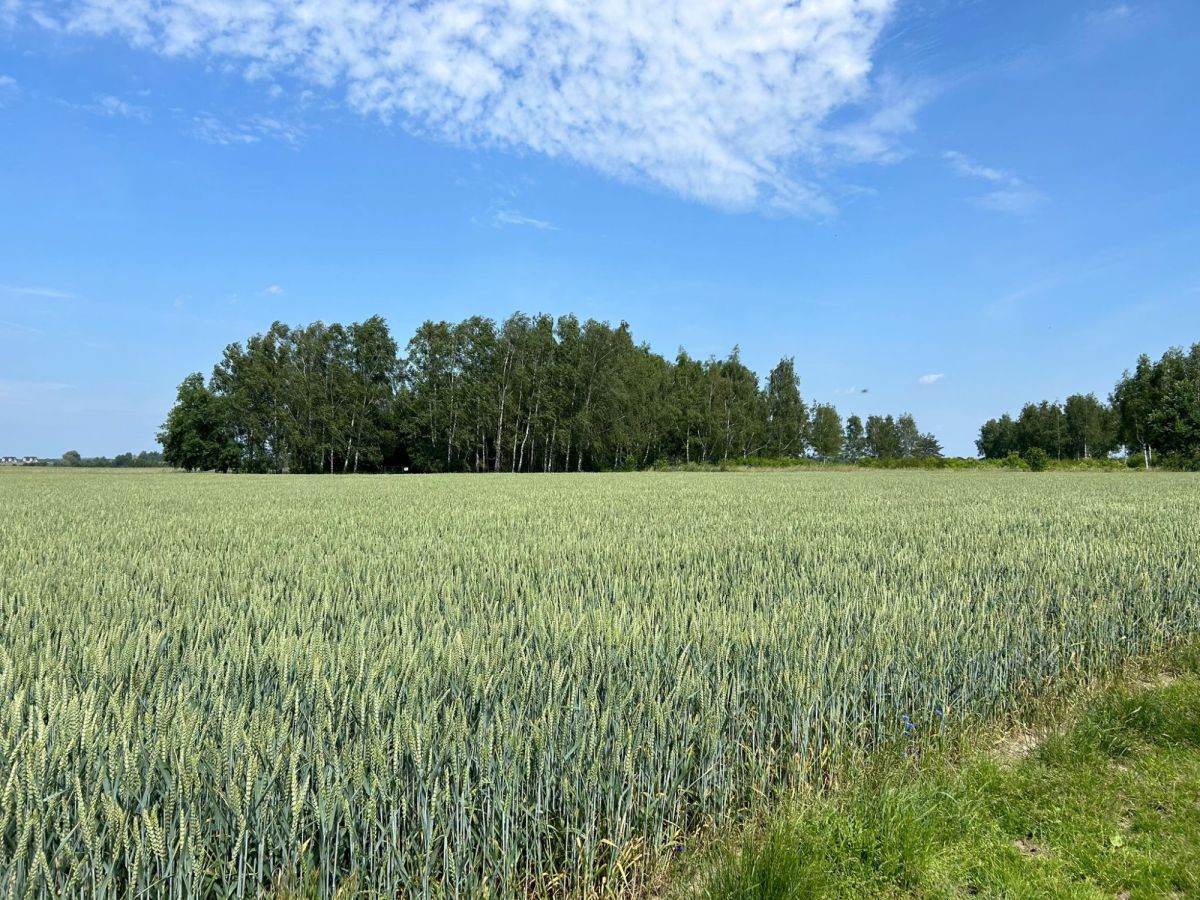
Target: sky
<point>955,206</point>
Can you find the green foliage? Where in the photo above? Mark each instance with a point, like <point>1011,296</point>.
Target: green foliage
<point>1014,460</point>
<point>514,687</point>
<point>887,438</point>
<point>1155,410</point>
<point>196,434</point>
<point>854,447</point>
<point>531,394</point>
<point>1036,458</point>
<point>787,425</point>
<point>826,432</point>
<point>146,459</point>
<point>1102,805</point>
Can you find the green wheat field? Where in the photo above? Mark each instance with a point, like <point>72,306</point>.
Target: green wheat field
<point>519,685</point>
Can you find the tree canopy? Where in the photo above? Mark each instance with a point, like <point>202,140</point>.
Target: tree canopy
<point>531,393</point>
<point>1153,411</point>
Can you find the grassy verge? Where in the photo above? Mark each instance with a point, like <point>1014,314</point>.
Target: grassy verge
<point>1104,801</point>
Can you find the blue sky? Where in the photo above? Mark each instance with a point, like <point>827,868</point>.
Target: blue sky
<point>959,206</point>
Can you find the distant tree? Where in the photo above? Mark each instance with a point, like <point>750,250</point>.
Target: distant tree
<point>883,438</point>
<point>1091,427</point>
<point>529,394</point>
<point>787,418</point>
<point>196,434</point>
<point>71,458</point>
<point>998,438</point>
<point>826,431</point>
<point>928,446</point>
<point>854,447</point>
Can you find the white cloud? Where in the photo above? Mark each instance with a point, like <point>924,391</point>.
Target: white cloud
<point>8,88</point>
<point>504,217</point>
<point>931,379</point>
<point>210,129</point>
<point>273,290</point>
<point>1011,194</point>
<point>737,103</point>
<point>48,293</point>
<point>115,107</point>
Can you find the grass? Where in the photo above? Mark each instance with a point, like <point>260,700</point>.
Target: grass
<point>1103,802</point>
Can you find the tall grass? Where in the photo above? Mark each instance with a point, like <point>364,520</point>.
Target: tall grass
<point>510,685</point>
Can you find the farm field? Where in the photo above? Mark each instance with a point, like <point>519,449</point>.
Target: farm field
<point>515,685</point>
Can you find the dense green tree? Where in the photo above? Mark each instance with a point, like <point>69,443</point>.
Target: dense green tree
<point>1091,427</point>
<point>197,434</point>
<point>826,431</point>
<point>529,394</point>
<point>889,438</point>
<point>787,418</point>
<point>998,438</point>
<point>1043,425</point>
<point>855,446</point>
<point>883,438</point>
<point>1153,411</point>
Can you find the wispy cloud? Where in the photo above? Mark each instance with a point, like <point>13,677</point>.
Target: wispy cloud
<point>48,293</point>
<point>932,378</point>
<point>213,130</point>
<point>1113,14</point>
<point>1011,194</point>
<point>273,290</point>
<point>739,104</point>
<point>504,217</point>
<point>18,328</point>
<point>115,107</point>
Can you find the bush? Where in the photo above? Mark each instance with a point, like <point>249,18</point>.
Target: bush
<point>1182,462</point>
<point>1014,461</point>
<point>1037,458</point>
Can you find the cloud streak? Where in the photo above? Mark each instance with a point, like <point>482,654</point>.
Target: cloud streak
<point>1010,193</point>
<point>503,217</point>
<point>47,293</point>
<point>729,102</point>
<point>932,378</point>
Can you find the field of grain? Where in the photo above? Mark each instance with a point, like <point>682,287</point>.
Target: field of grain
<point>507,685</point>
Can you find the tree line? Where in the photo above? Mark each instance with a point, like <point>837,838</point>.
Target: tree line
<point>532,393</point>
<point>1153,413</point>
<point>146,459</point>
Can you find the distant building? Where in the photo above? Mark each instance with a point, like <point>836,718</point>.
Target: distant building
<point>19,460</point>
<point>30,460</point>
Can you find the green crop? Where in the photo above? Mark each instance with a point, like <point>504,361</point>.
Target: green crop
<point>515,685</point>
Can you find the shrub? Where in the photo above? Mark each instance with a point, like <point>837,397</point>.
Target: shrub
<point>1037,458</point>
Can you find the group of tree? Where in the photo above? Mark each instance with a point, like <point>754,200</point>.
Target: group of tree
<point>529,394</point>
<point>1153,413</point>
<point>146,459</point>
